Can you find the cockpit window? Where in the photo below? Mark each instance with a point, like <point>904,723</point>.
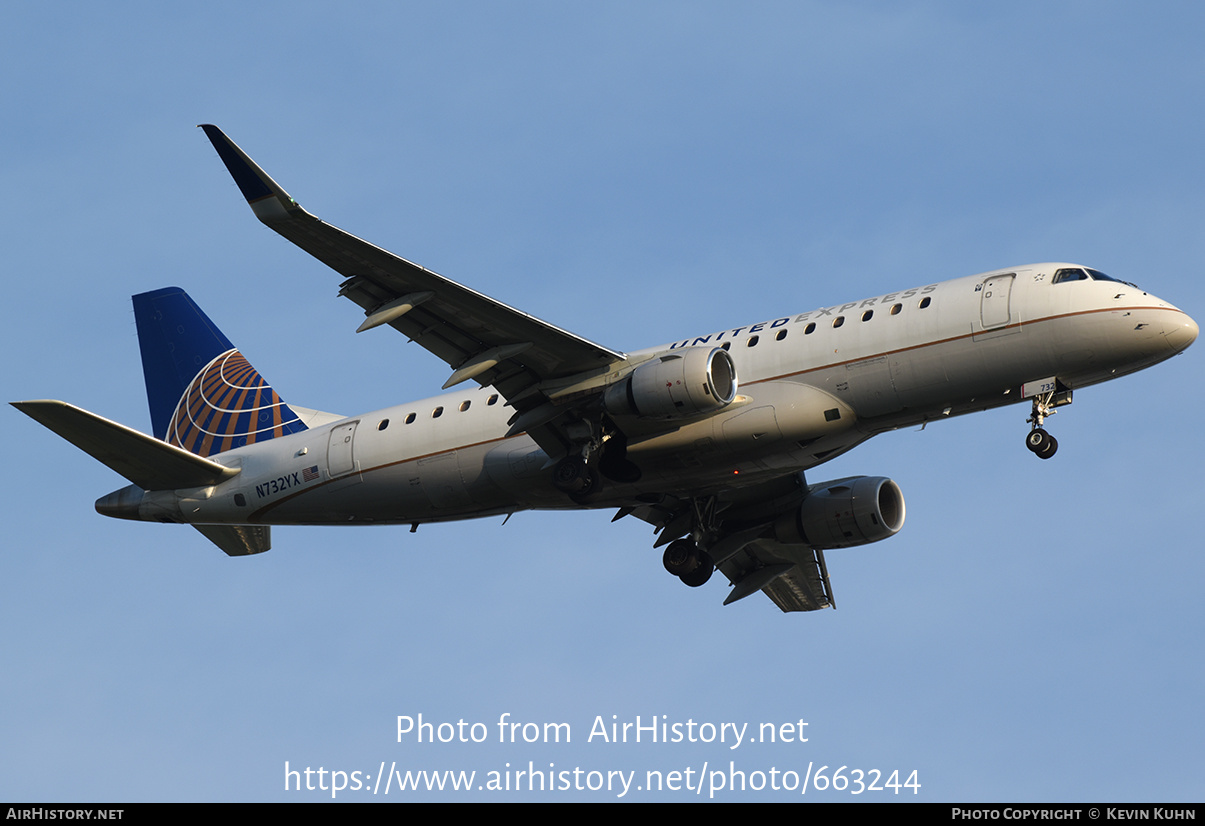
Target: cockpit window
<point>1086,274</point>
<point>1070,274</point>
<point>1097,275</point>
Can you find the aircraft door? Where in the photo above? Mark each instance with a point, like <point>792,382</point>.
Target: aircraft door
<point>994,300</point>
<point>340,459</point>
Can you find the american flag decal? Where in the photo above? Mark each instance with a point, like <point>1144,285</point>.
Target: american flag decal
<point>310,474</point>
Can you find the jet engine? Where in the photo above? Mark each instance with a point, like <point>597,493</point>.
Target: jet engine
<point>676,385</point>
<point>844,513</point>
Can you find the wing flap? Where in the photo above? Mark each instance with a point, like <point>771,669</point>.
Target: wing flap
<point>800,577</point>
<point>803,588</point>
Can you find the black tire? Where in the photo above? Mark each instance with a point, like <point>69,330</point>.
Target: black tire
<point>570,474</point>
<point>681,557</point>
<point>1052,445</point>
<point>699,575</point>
<point>592,487</point>
<point>1038,440</point>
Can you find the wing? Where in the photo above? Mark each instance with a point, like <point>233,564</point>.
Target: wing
<point>526,359</point>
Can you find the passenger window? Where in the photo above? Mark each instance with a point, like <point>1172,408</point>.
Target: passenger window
<point>437,412</point>
<point>781,335</point>
<point>492,399</point>
<point>410,418</point>
<point>869,314</point>
<point>752,342</point>
<point>384,424</point>
<point>895,308</point>
<point>925,302</point>
<point>464,406</point>
<point>811,328</point>
<point>838,321</point>
<point>727,345</point>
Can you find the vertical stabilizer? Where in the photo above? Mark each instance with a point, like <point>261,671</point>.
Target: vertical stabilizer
<point>204,396</point>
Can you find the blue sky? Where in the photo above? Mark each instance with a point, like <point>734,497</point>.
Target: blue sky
<point>636,173</point>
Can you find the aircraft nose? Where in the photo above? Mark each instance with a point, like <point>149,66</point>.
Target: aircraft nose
<point>1181,333</point>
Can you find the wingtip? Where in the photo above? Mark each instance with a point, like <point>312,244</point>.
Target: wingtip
<point>267,198</point>
<point>32,404</point>
<point>212,132</point>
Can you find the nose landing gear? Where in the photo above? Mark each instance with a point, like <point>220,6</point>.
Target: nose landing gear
<point>1047,395</point>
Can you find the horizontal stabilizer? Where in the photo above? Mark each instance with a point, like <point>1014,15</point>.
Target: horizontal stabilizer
<point>144,460</point>
<point>238,540</point>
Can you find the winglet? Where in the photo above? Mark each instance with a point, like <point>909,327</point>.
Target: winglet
<point>267,198</point>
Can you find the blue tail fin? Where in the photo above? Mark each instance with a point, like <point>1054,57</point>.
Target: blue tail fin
<point>204,396</point>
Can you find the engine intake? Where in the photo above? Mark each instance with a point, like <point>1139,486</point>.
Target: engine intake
<point>845,513</point>
<point>676,385</point>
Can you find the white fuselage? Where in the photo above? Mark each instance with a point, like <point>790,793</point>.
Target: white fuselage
<point>811,386</point>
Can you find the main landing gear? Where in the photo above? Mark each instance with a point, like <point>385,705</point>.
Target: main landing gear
<point>580,474</point>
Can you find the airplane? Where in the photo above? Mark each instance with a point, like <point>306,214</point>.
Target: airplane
<point>707,438</point>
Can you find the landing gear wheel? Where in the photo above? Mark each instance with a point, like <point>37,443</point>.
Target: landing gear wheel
<point>1038,440</point>
<point>681,557</point>
<point>1041,443</point>
<point>1051,446</point>
<point>699,575</point>
<point>688,562</point>
<point>570,475</point>
<point>592,486</point>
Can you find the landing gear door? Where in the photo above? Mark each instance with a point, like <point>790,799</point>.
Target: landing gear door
<point>340,459</point>
<point>994,301</point>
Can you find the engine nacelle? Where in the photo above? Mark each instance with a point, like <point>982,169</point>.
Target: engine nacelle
<point>676,385</point>
<point>844,513</point>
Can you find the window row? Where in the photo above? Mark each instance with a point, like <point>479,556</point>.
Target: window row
<point>439,411</point>
<point>837,322</point>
